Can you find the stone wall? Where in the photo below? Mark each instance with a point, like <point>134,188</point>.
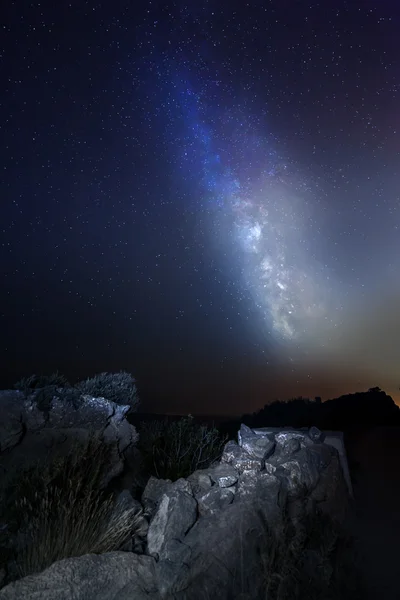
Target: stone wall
<point>332,438</point>
<point>205,531</point>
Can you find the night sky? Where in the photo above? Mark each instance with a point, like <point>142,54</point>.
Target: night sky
<point>205,194</point>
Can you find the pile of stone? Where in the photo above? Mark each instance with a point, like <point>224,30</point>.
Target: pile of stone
<point>203,529</point>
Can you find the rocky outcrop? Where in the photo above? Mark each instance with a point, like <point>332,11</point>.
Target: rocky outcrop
<point>35,427</point>
<point>205,532</point>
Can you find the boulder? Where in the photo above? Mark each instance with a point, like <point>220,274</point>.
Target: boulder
<point>111,576</point>
<point>156,488</point>
<point>265,490</point>
<point>200,481</point>
<point>224,475</point>
<point>258,446</point>
<point>173,572</point>
<point>301,473</point>
<point>214,500</point>
<point>316,435</point>
<point>153,492</point>
<point>284,439</point>
<point>175,515</point>
<point>240,459</point>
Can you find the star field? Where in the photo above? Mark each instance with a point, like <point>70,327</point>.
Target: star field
<point>206,196</point>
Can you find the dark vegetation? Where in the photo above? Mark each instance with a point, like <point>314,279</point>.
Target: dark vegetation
<point>174,449</point>
<point>116,387</point>
<point>347,413</point>
<point>61,510</point>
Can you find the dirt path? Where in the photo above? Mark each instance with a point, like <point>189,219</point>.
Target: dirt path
<point>376,486</point>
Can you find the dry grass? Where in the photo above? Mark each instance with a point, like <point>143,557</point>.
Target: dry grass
<point>60,510</point>
<point>65,525</point>
<point>174,449</point>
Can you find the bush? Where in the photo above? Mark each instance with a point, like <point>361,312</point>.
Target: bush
<point>116,387</point>
<point>46,387</point>
<point>176,449</point>
<point>35,382</point>
<point>59,510</point>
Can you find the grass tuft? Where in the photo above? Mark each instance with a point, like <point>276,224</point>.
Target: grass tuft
<point>60,511</point>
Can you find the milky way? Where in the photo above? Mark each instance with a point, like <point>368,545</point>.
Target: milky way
<point>264,201</point>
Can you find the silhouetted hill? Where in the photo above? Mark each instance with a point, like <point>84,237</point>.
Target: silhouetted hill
<point>363,409</point>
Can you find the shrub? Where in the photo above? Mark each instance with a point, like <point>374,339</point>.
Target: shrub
<point>116,387</point>
<point>59,510</point>
<point>35,382</point>
<point>47,387</point>
<point>175,449</point>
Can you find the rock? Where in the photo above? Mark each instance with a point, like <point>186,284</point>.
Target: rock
<point>214,500</point>
<point>153,492</point>
<point>248,484</point>
<point>244,432</point>
<point>156,488</point>
<point>263,490</point>
<point>200,481</point>
<point>282,439</point>
<point>301,477</point>
<point>320,455</point>
<point>258,446</point>
<point>224,475</point>
<point>175,515</point>
<point>270,468</point>
<point>290,447</point>
<point>173,571</point>
<point>111,576</point>
<point>33,431</point>
<point>316,435</point>
<point>239,459</point>
<point>172,577</point>
<point>33,417</point>
<point>220,541</point>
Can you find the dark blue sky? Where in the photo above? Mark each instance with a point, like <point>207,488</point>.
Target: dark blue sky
<point>206,196</point>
